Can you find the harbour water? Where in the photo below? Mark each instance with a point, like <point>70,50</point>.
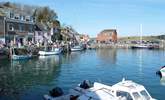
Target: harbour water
<point>31,79</point>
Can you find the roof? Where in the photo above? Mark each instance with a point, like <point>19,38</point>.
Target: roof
<point>128,86</point>
<point>108,30</point>
<point>41,27</point>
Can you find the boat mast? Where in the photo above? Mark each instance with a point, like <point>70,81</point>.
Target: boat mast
<point>141,33</point>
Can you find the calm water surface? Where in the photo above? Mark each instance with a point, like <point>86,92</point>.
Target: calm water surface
<point>31,79</point>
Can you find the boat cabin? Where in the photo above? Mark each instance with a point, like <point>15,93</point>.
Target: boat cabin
<point>129,90</point>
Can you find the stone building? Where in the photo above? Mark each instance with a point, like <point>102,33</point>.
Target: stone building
<point>107,36</point>
<point>16,25</point>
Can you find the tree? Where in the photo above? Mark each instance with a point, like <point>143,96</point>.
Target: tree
<point>45,15</point>
<point>56,31</point>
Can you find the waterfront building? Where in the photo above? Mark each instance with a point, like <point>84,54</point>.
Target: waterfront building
<point>42,33</point>
<point>84,38</point>
<point>107,36</point>
<point>16,25</point>
<point>68,34</point>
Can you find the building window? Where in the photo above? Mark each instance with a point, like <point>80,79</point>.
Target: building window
<point>11,15</point>
<point>31,28</point>
<point>11,28</point>
<point>21,27</point>
<point>22,17</point>
<point>17,16</point>
<point>27,18</point>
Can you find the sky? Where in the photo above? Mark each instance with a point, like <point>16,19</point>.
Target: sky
<point>92,16</point>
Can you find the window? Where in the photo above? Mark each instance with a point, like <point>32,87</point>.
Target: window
<point>21,27</point>
<point>123,94</point>
<point>145,95</point>
<point>30,28</point>
<point>11,28</point>
<point>22,17</point>
<point>11,15</point>
<point>136,96</point>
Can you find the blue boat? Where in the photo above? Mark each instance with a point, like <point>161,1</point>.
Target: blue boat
<point>18,56</point>
<point>21,57</point>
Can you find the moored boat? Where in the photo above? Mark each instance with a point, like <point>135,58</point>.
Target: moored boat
<point>21,57</point>
<point>53,51</point>
<point>77,48</point>
<point>129,90</point>
<point>20,54</point>
<point>124,90</point>
<point>142,47</point>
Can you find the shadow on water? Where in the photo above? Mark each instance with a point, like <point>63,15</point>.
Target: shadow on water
<point>17,76</point>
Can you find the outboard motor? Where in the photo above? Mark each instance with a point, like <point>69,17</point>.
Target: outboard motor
<point>56,92</point>
<point>86,84</point>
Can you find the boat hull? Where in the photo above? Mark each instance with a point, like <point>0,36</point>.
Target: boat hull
<point>76,49</point>
<point>142,47</point>
<point>21,57</point>
<point>162,71</point>
<point>47,53</point>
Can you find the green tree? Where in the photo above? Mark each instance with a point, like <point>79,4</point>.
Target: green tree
<point>57,31</point>
<point>45,15</point>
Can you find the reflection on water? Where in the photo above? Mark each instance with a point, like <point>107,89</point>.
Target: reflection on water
<point>108,55</point>
<point>17,76</point>
<point>29,80</point>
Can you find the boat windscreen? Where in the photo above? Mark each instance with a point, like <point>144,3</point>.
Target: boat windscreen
<point>145,95</point>
<point>137,96</point>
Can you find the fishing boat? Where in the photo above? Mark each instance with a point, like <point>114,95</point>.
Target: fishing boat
<point>124,90</point>
<point>142,46</point>
<point>20,56</point>
<point>53,51</point>
<point>76,48</point>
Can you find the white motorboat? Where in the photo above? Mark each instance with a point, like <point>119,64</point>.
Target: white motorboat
<point>124,90</point>
<point>142,46</point>
<point>53,51</point>
<point>77,48</point>
<point>129,90</point>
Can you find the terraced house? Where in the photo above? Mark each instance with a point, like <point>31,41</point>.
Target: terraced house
<point>16,24</point>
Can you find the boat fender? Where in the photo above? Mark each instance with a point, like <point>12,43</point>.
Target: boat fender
<point>85,84</point>
<point>56,92</point>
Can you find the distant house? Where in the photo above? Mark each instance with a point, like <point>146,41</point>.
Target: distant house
<point>68,34</point>
<point>107,36</point>
<point>16,25</point>
<point>42,33</point>
<point>84,38</point>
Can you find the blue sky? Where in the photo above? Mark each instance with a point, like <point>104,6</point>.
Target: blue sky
<point>92,16</point>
